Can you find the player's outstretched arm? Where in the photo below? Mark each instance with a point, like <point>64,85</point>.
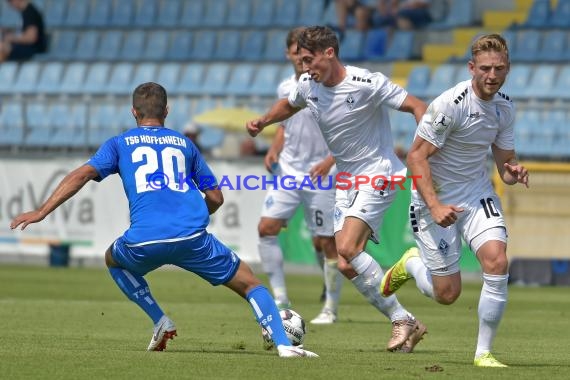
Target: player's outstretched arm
<point>68,187</point>
<point>280,111</point>
<point>510,170</point>
<point>415,106</point>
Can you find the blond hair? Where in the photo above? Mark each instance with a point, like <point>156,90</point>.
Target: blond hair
<point>489,42</point>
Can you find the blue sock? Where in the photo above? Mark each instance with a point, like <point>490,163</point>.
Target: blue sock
<point>267,314</point>
<point>136,289</point>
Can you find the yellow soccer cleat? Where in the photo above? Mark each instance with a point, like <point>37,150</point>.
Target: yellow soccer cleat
<point>397,275</point>
<point>488,360</point>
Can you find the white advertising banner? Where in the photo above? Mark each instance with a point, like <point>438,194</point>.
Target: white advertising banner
<point>98,214</point>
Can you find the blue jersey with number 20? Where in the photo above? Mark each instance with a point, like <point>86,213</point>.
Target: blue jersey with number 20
<point>162,174</point>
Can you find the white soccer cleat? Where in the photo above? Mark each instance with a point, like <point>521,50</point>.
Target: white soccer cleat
<point>294,352</point>
<point>164,330</point>
<point>325,317</point>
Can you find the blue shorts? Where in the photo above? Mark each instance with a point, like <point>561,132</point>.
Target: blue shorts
<point>203,255</point>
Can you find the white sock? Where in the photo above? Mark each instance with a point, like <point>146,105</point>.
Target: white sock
<point>272,264</point>
<point>333,283</point>
<point>368,282</point>
<point>491,308</point>
<point>416,268</point>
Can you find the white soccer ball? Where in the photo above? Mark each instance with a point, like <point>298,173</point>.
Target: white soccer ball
<point>294,326</point>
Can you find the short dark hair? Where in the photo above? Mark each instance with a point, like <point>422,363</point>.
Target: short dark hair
<point>293,35</point>
<point>318,39</point>
<point>149,100</point>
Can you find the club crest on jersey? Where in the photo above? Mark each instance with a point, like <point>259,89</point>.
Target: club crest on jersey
<point>441,122</point>
<point>350,102</point>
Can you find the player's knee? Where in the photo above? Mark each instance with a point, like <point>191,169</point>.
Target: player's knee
<point>447,296</point>
<point>327,246</point>
<point>497,265</point>
<point>268,229</point>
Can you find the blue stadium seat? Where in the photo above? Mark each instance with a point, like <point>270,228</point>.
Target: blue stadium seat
<point>49,80</point>
<point>238,14</point>
<point>227,46</point>
<point>191,78</point>
<point>87,44</point>
<point>143,72</point>
<point>133,45</point>
<point>265,80</point>
<point>37,131</point>
<point>156,45</point>
<point>285,72</point>
<point>215,13</point>
<point>216,79</point>
<point>192,14</point>
<point>77,12</point>
<point>97,78</point>
<point>145,13</point>
<point>538,15</point>
<point>240,80</point>
<point>8,72</point>
<point>167,75</point>
<point>311,12</point>
<point>559,119</point>
<point>103,123</point>
<point>526,122</point>
<point>286,13</point>
<point>442,78</point>
<point>12,123</point>
<point>375,44</point>
<point>517,81</point>
<point>262,13</point>
<point>180,46</point>
<point>203,45</point>
<point>252,46</point>
<point>553,47</point>
<point>62,46</point>
<point>54,14</point>
<point>401,46</point>
<point>560,17</point>
<point>110,45</point>
<point>418,80</point>
<point>122,13</point>
<point>120,79</point>
<point>99,14</point>
<point>275,51</point>
<point>351,45</point>
<point>527,46</point>
<point>211,138</point>
<point>73,77</point>
<point>542,82</point>
<point>562,84</point>
<point>169,14</point>
<point>460,13</point>
<point>27,78</point>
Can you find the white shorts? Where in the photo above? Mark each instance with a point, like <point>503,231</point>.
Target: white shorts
<point>318,206</point>
<point>441,247</point>
<point>367,204</point>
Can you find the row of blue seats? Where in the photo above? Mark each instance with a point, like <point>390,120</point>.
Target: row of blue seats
<point>173,13</point>
<point>543,14</point>
<point>533,45</point>
<point>104,78</point>
<point>524,82</point>
<point>85,125</point>
<point>248,45</point>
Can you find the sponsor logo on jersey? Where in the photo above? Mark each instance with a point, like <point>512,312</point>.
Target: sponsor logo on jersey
<point>443,247</point>
<point>350,102</point>
<point>441,122</point>
<point>474,115</point>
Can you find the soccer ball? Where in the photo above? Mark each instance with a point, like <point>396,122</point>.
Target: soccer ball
<point>294,326</point>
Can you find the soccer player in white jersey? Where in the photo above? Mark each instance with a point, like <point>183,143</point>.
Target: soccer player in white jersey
<point>455,198</point>
<point>299,153</point>
<point>350,105</point>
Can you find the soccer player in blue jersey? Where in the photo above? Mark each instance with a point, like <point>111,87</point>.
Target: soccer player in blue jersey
<point>171,192</point>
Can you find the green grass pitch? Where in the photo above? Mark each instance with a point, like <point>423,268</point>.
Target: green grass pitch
<point>74,323</point>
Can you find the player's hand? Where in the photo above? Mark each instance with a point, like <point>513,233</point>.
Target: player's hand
<point>254,127</point>
<point>319,170</point>
<point>518,172</point>
<point>27,218</point>
<point>445,215</point>
<point>270,158</point>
